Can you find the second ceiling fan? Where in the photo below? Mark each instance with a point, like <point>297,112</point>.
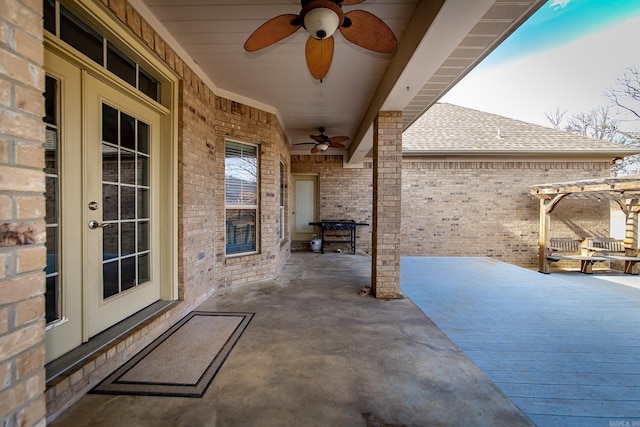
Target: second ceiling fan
<point>323,142</point>
<point>321,18</point>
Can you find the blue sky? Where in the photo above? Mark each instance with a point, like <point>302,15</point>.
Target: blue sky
<point>563,21</point>
<point>565,55</point>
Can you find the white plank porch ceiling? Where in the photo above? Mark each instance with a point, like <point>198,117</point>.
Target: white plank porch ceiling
<point>429,61</point>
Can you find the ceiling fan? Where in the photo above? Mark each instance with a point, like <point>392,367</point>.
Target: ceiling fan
<point>321,18</point>
<point>323,142</point>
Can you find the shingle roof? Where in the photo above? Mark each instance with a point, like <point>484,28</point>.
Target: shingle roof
<point>447,129</point>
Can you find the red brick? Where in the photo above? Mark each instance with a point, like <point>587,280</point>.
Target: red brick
<point>21,126</point>
<point>5,88</point>
<point>22,392</point>
<point>29,100</point>
<point>29,207</point>
<point>21,339</point>
<point>5,375</point>
<point>29,310</point>
<point>6,206</point>
<point>31,259</point>
<point>4,151</point>
<point>30,362</point>
<point>33,414</point>
<point>30,47</point>
<point>21,288</point>
<point>21,70</point>
<point>119,8</point>
<point>30,155</point>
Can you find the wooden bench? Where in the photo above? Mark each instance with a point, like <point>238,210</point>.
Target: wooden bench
<point>613,250</point>
<point>567,249</point>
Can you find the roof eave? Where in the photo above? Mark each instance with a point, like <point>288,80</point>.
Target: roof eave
<point>623,152</point>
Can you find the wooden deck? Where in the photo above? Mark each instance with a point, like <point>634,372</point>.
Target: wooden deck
<point>564,347</point>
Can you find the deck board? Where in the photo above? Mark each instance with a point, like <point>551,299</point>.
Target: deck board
<point>564,347</point>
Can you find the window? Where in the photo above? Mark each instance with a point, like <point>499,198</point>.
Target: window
<point>86,40</point>
<point>283,184</point>
<point>241,197</point>
<point>52,161</point>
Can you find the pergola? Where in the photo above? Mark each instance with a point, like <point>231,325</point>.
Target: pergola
<point>625,191</point>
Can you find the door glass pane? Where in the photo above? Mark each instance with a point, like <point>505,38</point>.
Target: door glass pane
<point>143,236</point>
<point>51,214</point>
<point>127,131</point>
<point>51,298</point>
<point>49,12</point>
<point>128,202</point>
<point>109,202</point>
<point>110,279</point>
<point>110,242</point>
<point>143,138</point>
<point>109,124</point>
<point>143,269</point>
<point>52,294</point>
<point>127,167</point>
<point>143,203</point>
<point>51,150</point>
<point>128,273</point>
<point>148,85</point>
<point>143,170</point>
<point>109,163</point>
<point>51,102</point>
<point>128,238</point>
<point>126,198</point>
<point>120,65</point>
<point>80,36</point>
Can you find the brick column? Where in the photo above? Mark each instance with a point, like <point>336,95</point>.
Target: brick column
<point>22,208</point>
<point>387,196</point>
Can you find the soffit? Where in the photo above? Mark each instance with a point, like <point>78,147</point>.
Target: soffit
<point>437,47</point>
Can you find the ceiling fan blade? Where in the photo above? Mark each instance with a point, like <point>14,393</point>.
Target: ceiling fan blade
<point>337,139</point>
<point>319,55</point>
<point>369,31</point>
<point>314,150</point>
<point>272,31</point>
<point>350,2</point>
<point>318,138</point>
<point>336,145</point>
<point>304,143</point>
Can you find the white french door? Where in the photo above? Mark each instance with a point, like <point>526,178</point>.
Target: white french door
<point>120,209</point>
<point>103,198</point>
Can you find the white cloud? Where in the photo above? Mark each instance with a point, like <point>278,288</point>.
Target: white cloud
<point>559,4</point>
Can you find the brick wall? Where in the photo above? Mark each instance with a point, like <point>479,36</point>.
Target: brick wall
<point>387,203</point>
<point>345,193</point>
<point>246,124</point>
<point>483,208</point>
<point>22,235</point>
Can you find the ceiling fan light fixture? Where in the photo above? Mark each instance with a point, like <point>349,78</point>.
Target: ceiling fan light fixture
<point>321,22</point>
<point>322,146</point>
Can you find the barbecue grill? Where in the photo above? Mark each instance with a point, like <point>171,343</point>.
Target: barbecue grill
<point>327,226</point>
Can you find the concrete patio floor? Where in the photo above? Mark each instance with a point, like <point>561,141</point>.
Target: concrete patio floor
<point>565,347</point>
<point>318,354</point>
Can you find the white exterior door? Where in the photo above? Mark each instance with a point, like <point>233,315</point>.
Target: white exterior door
<point>305,206</point>
<point>120,209</point>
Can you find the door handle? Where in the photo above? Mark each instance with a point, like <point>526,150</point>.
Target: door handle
<point>93,224</point>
